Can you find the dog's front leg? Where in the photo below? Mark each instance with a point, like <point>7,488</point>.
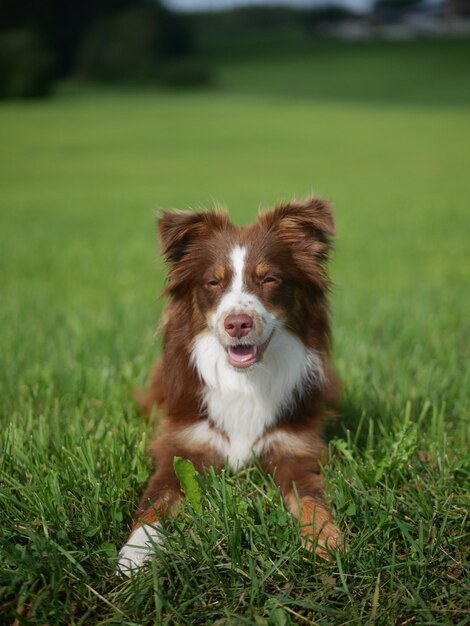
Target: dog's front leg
<point>302,489</point>
<point>160,499</point>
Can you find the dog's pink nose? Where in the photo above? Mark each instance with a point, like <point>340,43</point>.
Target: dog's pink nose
<point>238,325</point>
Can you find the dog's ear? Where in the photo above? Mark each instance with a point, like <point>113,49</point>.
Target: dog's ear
<point>312,216</point>
<point>307,228</point>
<point>181,230</point>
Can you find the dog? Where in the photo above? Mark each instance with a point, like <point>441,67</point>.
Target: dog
<point>246,370</point>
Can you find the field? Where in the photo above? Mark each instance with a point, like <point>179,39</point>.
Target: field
<point>81,176</point>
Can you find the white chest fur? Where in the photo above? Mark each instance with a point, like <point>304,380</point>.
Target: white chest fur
<point>243,404</point>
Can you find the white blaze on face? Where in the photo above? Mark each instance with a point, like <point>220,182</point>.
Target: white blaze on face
<point>237,257</point>
<point>235,300</point>
<point>238,300</point>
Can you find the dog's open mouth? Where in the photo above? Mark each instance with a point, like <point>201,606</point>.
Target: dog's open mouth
<point>242,356</point>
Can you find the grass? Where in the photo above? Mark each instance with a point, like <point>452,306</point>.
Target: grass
<point>80,176</point>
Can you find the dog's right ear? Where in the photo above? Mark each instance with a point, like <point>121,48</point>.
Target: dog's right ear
<point>181,230</point>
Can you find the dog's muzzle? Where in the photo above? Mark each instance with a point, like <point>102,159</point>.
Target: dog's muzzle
<point>242,334</point>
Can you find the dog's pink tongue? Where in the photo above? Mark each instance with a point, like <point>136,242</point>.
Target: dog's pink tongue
<point>241,354</point>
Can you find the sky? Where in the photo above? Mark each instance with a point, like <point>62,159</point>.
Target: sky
<point>199,5</point>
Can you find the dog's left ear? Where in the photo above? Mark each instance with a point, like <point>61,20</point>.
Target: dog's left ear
<point>307,227</point>
<point>313,216</point>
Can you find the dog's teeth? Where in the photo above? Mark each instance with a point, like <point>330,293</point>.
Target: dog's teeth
<point>255,350</point>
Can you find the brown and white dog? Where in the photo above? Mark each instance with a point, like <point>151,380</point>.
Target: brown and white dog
<point>246,361</point>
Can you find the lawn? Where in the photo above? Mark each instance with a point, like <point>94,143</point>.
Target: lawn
<point>81,175</point>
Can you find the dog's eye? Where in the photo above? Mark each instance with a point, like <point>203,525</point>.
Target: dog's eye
<point>213,283</point>
<point>268,279</point>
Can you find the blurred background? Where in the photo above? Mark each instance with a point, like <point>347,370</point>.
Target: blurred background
<point>181,43</point>
<point>110,109</point>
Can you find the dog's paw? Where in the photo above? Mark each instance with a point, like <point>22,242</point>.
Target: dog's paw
<point>318,530</point>
<point>325,541</point>
<point>329,540</point>
<point>131,559</point>
<point>138,550</point>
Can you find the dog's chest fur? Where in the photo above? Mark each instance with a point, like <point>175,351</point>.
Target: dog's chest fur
<point>242,406</point>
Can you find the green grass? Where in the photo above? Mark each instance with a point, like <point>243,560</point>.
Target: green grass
<point>80,176</point>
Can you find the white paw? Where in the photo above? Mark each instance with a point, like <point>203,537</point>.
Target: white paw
<point>138,549</point>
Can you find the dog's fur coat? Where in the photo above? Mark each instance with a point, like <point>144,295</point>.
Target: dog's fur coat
<point>246,361</point>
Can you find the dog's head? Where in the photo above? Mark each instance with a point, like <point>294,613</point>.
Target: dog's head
<point>246,284</point>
